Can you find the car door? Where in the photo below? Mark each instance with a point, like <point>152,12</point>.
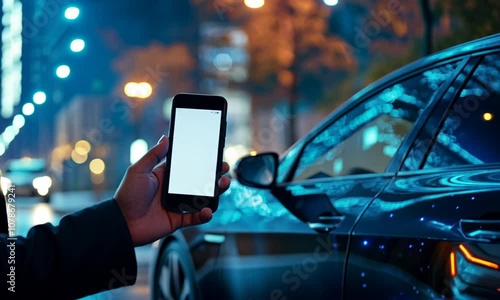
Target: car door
<point>340,170</point>
<point>434,232</point>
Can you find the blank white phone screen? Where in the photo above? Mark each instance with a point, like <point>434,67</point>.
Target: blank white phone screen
<point>194,152</point>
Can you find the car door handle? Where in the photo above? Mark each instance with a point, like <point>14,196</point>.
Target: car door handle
<point>484,230</point>
<point>325,223</point>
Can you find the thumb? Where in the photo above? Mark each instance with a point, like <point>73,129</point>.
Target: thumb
<point>153,156</point>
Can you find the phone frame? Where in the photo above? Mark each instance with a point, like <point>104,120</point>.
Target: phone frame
<point>194,203</point>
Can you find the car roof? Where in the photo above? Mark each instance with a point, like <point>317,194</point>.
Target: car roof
<point>26,165</point>
<point>479,45</point>
<point>468,48</point>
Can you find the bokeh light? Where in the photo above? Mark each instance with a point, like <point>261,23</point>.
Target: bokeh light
<point>8,136</point>
<point>331,2</point>
<point>63,71</point>
<point>141,90</point>
<point>255,3</point>
<point>42,213</point>
<point>82,147</point>
<point>97,166</point>
<point>223,61</point>
<point>39,97</point>
<point>28,109</point>
<point>138,148</point>
<point>78,158</point>
<point>19,121</point>
<point>77,45</point>
<point>487,116</point>
<point>42,183</point>
<point>72,13</point>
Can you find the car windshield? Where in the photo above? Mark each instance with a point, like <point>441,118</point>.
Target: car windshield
<point>26,166</point>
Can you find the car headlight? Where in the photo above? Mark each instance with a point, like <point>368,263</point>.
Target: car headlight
<point>42,183</point>
<point>5,183</point>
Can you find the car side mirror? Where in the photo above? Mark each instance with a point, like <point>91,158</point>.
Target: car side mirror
<point>258,171</point>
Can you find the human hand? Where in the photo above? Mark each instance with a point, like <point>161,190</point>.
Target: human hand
<point>139,198</point>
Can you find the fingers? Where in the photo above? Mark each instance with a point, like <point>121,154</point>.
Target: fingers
<point>205,215</point>
<point>201,217</point>
<point>152,157</point>
<point>224,183</point>
<point>225,167</point>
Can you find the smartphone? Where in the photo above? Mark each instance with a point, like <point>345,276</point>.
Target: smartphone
<point>194,159</point>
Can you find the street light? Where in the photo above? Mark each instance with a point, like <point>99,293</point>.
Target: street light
<point>82,147</point>
<point>255,3</point>
<point>487,116</point>
<point>141,90</point>
<point>39,97</point>
<point>137,92</point>
<point>97,166</point>
<point>72,13</point>
<point>331,2</point>
<point>77,45</point>
<point>19,121</point>
<point>10,133</point>
<point>63,71</point>
<point>8,136</point>
<point>28,109</point>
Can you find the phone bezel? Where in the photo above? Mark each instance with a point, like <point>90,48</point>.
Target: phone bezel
<point>193,203</point>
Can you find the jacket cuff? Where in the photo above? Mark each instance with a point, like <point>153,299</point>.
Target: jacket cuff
<point>105,256</point>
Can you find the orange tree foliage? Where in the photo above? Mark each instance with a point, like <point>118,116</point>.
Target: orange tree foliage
<point>167,68</point>
<point>468,19</point>
<point>287,40</point>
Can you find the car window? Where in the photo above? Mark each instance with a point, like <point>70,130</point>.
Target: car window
<point>287,161</point>
<point>469,134</point>
<point>365,139</point>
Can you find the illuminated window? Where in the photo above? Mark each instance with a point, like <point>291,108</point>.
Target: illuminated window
<point>365,139</point>
<point>468,135</point>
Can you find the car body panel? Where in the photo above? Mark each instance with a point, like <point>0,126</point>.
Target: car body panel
<point>399,237</point>
<point>414,234</point>
<point>405,238</point>
<point>21,174</point>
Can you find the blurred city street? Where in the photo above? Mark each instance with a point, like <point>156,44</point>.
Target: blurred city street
<point>359,135</point>
<point>31,211</point>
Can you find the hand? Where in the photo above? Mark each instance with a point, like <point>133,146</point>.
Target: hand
<point>139,198</point>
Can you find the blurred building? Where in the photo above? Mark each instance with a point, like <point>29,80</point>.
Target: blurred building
<point>91,127</point>
<point>223,63</point>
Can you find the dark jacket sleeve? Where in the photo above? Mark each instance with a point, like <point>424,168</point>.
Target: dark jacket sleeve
<point>88,252</point>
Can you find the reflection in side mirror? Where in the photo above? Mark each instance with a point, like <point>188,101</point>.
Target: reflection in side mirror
<point>258,171</point>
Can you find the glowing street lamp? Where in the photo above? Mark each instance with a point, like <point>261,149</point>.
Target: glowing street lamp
<point>97,166</point>
<point>137,91</point>
<point>487,116</point>
<point>72,13</point>
<point>19,121</point>
<point>141,90</point>
<point>39,98</point>
<point>77,45</point>
<point>63,71</point>
<point>255,3</point>
<point>331,2</point>
<point>28,109</point>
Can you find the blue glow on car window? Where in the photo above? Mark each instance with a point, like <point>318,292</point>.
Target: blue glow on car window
<point>365,139</point>
<point>469,133</point>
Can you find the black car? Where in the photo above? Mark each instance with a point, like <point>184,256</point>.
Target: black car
<point>29,177</point>
<point>396,195</point>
